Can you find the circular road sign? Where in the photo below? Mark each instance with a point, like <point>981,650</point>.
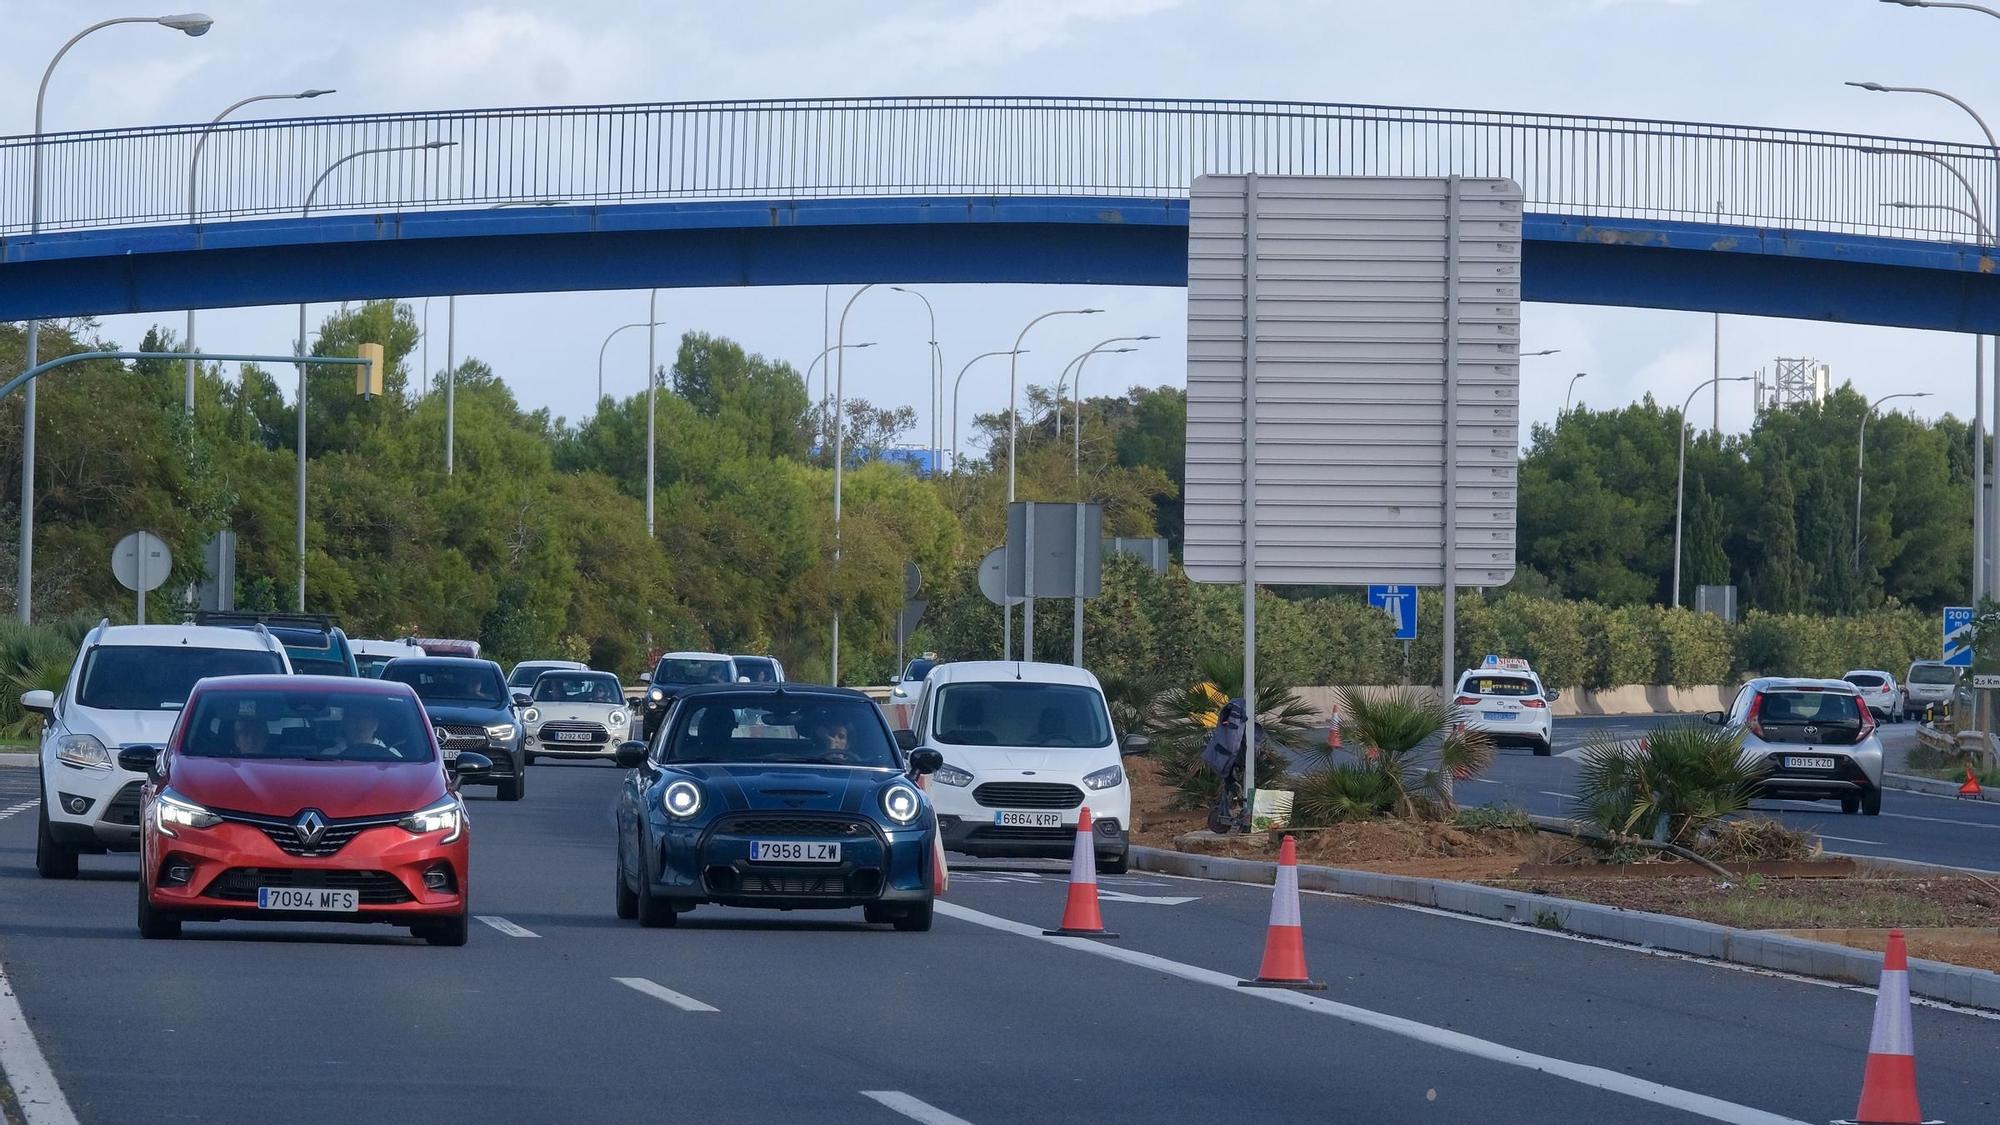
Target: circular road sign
<point>993,578</point>
<point>141,561</point>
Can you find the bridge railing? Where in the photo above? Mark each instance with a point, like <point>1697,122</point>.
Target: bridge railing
<point>1603,167</point>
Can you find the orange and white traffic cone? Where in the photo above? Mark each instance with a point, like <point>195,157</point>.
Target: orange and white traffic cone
<point>1080,915</point>
<point>940,874</point>
<point>1285,945</point>
<point>1333,731</point>
<point>1889,1085</point>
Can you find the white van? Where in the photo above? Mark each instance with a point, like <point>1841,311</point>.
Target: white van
<point>1025,747</point>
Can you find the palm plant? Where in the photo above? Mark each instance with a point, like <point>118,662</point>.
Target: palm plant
<point>1182,718</point>
<point>1412,741</point>
<point>1335,793</point>
<point>1681,780</point>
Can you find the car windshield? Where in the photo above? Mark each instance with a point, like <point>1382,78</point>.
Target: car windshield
<point>317,726</point>
<point>578,687</point>
<point>1511,687</point>
<point>450,683</point>
<point>525,675</point>
<point>1864,679</point>
<point>1016,713</point>
<point>1933,674</point>
<point>692,671</point>
<point>371,666</point>
<point>918,669</point>
<point>783,729</point>
<point>757,669</point>
<point>159,678</point>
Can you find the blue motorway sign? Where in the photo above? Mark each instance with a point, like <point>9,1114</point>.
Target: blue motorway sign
<point>1958,635</point>
<point>1400,603</point>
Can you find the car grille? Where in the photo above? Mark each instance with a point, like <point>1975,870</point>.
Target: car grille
<point>454,736</point>
<point>337,835</point>
<point>1027,795</point>
<point>124,808</point>
<point>376,888</point>
<point>830,884</point>
<point>826,827</point>
<point>547,733</point>
<point>1016,832</point>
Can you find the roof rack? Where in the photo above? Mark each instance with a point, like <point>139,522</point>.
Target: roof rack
<point>240,618</point>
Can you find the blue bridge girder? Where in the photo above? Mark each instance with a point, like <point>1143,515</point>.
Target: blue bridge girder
<point>1112,240</point>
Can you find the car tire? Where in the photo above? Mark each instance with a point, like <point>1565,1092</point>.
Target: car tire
<point>1871,803</point>
<point>877,915</point>
<point>528,757</point>
<point>654,913</point>
<point>915,920</point>
<point>453,932</point>
<point>628,899</point>
<point>155,924</point>
<point>1850,805</point>
<point>52,859</point>
<point>513,788</point>
<point>1115,866</point>
<point>1543,749</point>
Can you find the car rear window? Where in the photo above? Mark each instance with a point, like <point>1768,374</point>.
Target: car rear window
<point>1021,714</point>
<point>1509,686</point>
<point>1933,674</point>
<point>1865,679</point>
<point>1806,716</point>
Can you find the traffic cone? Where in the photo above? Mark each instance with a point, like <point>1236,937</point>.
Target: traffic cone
<point>940,874</point>
<point>1889,1085</point>
<point>1285,944</point>
<point>1971,787</point>
<point>1333,732</point>
<point>1080,915</point>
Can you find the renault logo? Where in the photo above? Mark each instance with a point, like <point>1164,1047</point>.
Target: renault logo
<point>310,826</point>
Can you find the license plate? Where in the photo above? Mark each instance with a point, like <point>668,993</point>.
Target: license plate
<point>1498,716</point>
<point>1021,818</point>
<point>1797,763</point>
<point>319,899</point>
<point>793,851</point>
<point>570,736</point>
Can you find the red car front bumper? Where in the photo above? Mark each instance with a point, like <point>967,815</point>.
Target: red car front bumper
<point>215,873</point>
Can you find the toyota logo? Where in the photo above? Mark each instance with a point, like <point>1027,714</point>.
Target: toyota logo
<point>310,825</point>
<point>1811,730</point>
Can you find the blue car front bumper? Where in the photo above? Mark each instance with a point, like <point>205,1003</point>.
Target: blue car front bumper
<point>711,862</point>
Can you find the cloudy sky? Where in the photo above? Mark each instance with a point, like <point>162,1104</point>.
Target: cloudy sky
<point>1756,62</point>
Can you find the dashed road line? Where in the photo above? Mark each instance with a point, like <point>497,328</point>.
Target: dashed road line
<point>662,992</point>
<point>20,808</point>
<point>913,1108</point>
<point>506,927</point>
<point>41,1099</point>
<point>1687,1101</point>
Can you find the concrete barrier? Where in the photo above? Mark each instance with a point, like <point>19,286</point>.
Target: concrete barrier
<point>1632,699</point>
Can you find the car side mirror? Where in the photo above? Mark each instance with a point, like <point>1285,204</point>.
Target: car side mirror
<point>629,755</point>
<point>1137,744</point>
<point>926,760</point>
<point>1554,694</point>
<point>139,759</point>
<point>1716,718</point>
<point>906,740</point>
<point>468,766</point>
<point>522,699</point>
<point>40,702</point>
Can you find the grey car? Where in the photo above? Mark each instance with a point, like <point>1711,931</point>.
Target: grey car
<point>1814,739</point>
<point>1928,683</point>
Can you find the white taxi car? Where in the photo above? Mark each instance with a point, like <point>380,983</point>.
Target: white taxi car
<point>572,714</point>
<point>1506,701</point>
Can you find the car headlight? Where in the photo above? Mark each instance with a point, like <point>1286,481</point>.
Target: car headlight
<point>531,715</point>
<point>1110,777</point>
<point>446,814</point>
<point>83,750</point>
<point>656,695</point>
<point>901,804</point>
<point>171,810</point>
<point>500,732</point>
<point>949,774</point>
<point>619,718</point>
<point>682,799</point>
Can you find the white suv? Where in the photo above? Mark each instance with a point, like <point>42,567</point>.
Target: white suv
<point>1025,747</point>
<point>1506,701</point>
<point>126,689</point>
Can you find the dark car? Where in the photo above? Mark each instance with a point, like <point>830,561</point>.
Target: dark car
<point>471,709</point>
<point>675,673</point>
<point>775,796</point>
<point>315,645</point>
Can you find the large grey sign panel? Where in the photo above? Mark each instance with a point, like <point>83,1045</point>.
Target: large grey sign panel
<point>1352,287</point>
<point>1053,549</point>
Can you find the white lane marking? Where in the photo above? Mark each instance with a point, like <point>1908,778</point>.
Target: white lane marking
<point>506,927</point>
<point>1583,1074</point>
<point>1121,896</point>
<point>1482,781</point>
<point>1553,793</point>
<point>1906,859</point>
<point>20,808</point>
<point>912,1108</point>
<point>1805,807</point>
<point>662,992</point>
<point>42,1101</point>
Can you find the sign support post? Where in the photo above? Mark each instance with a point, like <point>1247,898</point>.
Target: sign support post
<point>1251,184</point>
<point>1076,614</point>
<point>1028,589</point>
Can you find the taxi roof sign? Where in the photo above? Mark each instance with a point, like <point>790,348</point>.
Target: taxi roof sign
<point>1510,663</point>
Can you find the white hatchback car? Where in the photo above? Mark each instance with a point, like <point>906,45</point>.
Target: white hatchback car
<point>1025,746</point>
<point>126,689</point>
<point>1880,691</point>
<point>1507,702</point>
<point>576,715</point>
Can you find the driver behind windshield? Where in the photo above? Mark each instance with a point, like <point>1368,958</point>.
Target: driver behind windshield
<point>833,732</point>
<point>359,722</point>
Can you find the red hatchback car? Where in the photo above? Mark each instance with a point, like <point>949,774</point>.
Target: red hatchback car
<point>307,799</point>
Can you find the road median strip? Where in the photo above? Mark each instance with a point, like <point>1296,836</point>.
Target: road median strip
<point>1952,984</point>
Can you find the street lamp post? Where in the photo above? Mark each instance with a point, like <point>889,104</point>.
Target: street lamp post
<point>607,343</point>
<point>955,386</point>
<point>1076,397</point>
<point>937,372</point>
<point>652,397</point>
<point>839,462</point>
<point>299,500</point>
<point>1013,431</point>
<point>194,217</point>
<point>1572,389</point>
<point>1860,453</point>
<point>189,23</point>
<point>823,353</point>
<point>1680,480</point>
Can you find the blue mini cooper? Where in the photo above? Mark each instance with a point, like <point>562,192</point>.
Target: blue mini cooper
<point>775,795</point>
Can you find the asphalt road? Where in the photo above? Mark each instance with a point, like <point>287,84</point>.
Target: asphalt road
<point>817,1017</point>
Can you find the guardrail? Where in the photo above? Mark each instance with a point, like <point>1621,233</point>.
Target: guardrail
<point>1591,166</point>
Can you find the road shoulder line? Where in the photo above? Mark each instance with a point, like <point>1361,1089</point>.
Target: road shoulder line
<point>661,992</point>
<point>27,1071</point>
<point>913,1108</point>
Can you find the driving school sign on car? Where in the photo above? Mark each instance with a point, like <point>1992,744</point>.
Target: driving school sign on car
<point>1958,636</point>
